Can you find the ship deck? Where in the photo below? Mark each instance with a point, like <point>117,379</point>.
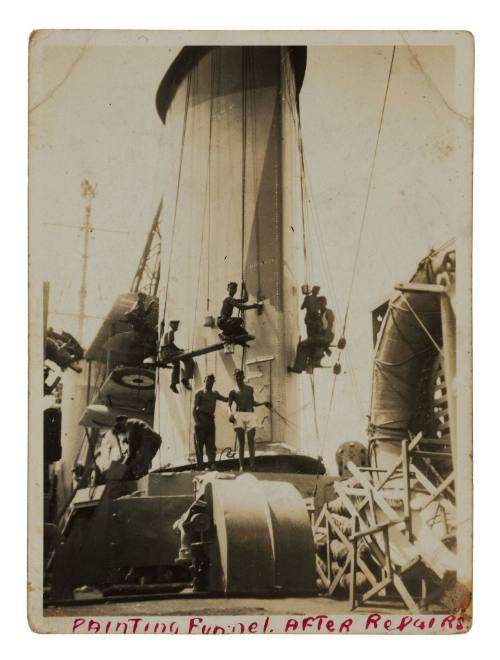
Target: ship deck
<point>188,605</point>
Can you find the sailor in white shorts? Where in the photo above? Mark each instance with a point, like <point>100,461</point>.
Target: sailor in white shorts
<point>244,419</point>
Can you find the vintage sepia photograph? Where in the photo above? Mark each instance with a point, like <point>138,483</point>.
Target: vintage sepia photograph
<point>250,332</point>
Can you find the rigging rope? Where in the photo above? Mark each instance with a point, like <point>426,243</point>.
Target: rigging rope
<point>206,209</point>
<point>213,73</point>
<point>422,325</point>
<point>244,83</point>
<point>367,198</point>
<point>253,141</point>
<point>302,198</point>
<point>315,411</point>
<point>172,237</point>
<point>360,235</point>
<point>179,176</point>
<point>311,222</point>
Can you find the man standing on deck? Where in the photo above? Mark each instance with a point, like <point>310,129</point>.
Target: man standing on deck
<point>203,414</point>
<point>232,326</point>
<point>244,419</point>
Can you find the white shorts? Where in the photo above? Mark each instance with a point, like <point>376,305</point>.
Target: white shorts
<point>246,420</point>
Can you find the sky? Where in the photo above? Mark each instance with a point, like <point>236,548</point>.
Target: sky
<point>92,116</point>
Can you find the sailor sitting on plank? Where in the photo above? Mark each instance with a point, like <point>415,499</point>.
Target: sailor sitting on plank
<point>311,350</point>
<point>168,351</point>
<point>232,326</point>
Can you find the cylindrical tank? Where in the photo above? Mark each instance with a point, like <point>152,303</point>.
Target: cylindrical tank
<point>232,213</point>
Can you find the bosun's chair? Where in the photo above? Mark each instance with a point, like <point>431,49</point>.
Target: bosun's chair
<point>376,538</point>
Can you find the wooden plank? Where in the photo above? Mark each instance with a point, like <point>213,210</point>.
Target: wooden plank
<point>405,594</point>
<point>370,530</point>
<point>401,557</point>
<point>339,532</point>
<point>435,441</point>
<point>321,573</point>
<point>409,565</point>
<point>403,551</point>
<point>387,546</point>
<point>446,504</point>
<point>440,489</point>
<point>406,486</point>
<point>354,492</point>
<point>352,586</point>
<point>321,516</point>
<point>377,496</point>
<point>438,476</point>
<point>375,589</point>
<point>444,427</point>
<point>207,349</point>
<point>364,569</point>
<point>328,554</point>
<point>396,466</point>
<point>333,585</point>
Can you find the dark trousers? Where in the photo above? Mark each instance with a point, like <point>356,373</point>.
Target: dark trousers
<point>166,357</point>
<point>232,327</point>
<point>204,439</point>
<point>313,326</point>
<point>187,370</point>
<point>310,351</point>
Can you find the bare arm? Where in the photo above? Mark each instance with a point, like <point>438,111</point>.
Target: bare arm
<point>195,407</point>
<point>240,303</point>
<point>261,403</point>
<point>330,320</point>
<point>220,397</point>
<point>231,401</point>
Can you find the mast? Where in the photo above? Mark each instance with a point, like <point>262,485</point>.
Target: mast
<point>88,193</point>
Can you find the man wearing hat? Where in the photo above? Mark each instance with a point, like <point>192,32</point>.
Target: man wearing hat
<point>203,413</point>
<point>169,351</point>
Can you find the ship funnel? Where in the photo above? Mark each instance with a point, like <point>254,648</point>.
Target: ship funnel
<point>231,212</point>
